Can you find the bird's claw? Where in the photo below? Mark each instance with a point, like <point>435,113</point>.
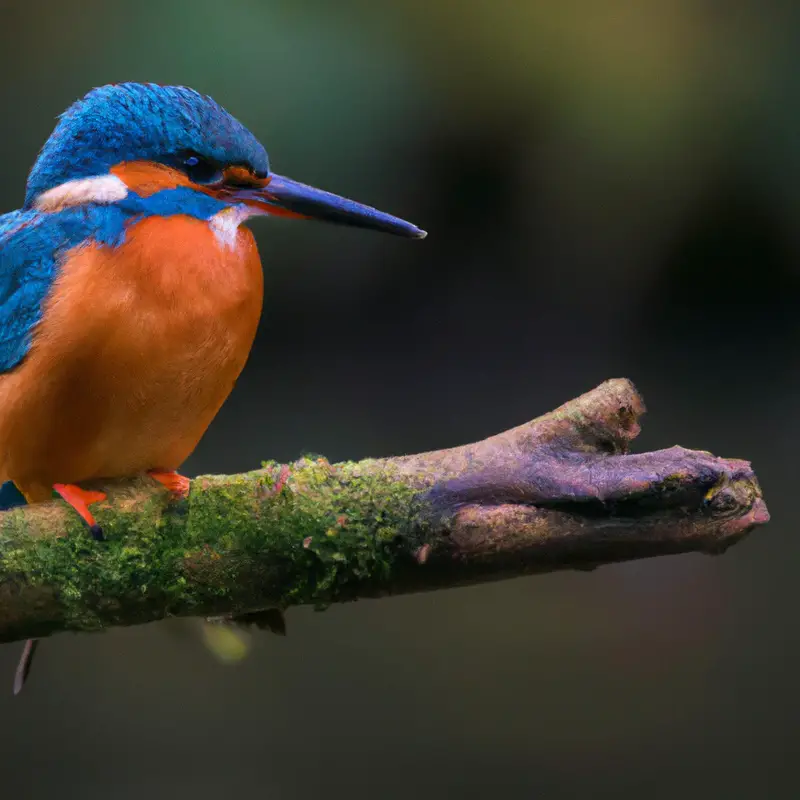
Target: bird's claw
<point>178,485</point>
<point>80,500</point>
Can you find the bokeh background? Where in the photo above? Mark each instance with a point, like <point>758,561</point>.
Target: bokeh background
<point>611,189</point>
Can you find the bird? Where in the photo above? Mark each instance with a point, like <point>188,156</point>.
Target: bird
<point>131,290</point>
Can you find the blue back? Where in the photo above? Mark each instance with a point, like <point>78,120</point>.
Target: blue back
<point>135,121</point>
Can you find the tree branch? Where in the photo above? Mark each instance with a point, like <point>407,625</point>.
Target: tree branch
<point>557,493</point>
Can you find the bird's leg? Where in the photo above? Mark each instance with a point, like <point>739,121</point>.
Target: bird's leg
<point>80,500</point>
<point>177,484</point>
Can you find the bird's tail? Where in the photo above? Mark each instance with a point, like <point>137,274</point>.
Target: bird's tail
<point>12,497</point>
<point>24,664</point>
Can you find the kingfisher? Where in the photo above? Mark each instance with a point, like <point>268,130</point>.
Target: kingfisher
<point>130,290</point>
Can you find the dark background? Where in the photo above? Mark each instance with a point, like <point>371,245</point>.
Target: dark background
<point>611,189</point>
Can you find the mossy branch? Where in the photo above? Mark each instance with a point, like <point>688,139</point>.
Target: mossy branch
<point>557,493</point>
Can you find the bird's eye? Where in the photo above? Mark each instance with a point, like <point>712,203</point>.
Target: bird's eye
<point>201,170</point>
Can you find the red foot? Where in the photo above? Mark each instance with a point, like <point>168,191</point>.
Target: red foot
<point>80,500</point>
<point>177,484</point>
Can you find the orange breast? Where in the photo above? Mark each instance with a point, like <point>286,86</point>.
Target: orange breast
<point>138,349</point>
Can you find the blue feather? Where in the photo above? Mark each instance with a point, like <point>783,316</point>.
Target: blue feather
<point>134,121</point>
<point>168,202</point>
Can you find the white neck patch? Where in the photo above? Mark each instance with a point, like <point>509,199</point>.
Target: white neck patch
<point>103,189</point>
<point>225,223</point>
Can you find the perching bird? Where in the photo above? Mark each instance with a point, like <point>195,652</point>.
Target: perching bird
<point>130,292</point>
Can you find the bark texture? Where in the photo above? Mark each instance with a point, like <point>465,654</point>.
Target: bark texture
<point>560,492</point>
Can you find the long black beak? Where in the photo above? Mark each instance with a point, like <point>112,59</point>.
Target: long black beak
<point>286,197</point>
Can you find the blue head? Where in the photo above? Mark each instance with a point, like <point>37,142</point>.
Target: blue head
<point>140,122</point>
<point>186,140</point>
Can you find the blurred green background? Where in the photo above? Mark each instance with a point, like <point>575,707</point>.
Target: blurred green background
<point>611,189</point>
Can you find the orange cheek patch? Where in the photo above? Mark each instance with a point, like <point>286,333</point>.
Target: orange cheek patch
<point>146,177</point>
<point>243,177</point>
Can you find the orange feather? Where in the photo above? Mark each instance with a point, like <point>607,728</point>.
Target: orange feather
<point>138,349</point>
<point>147,177</point>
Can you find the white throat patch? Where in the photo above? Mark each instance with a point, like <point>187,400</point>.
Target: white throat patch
<point>103,189</point>
<point>225,223</point>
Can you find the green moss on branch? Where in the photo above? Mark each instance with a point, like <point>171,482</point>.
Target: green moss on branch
<point>330,534</point>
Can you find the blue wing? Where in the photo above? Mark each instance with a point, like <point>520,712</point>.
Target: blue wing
<point>31,245</point>
<point>27,271</point>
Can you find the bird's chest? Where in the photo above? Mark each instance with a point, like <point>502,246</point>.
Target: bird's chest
<point>189,301</point>
<point>175,307</point>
